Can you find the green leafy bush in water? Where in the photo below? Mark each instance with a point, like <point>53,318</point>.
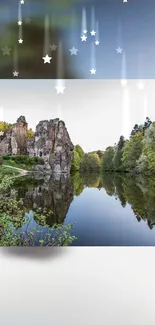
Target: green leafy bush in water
<point>13,216</point>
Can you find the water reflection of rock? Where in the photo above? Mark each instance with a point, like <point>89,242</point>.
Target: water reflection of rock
<point>55,194</point>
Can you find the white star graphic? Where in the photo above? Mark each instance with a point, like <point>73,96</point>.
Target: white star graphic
<point>20,41</point>
<point>22,2</point>
<point>53,47</point>
<point>47,58</point>
<point>93,33</point>
<point>73,51</point>
<point>119,50</point>
<point>1,133</point>
<point>60,89</point>
<point>15,73</point>
<point>19,23</point>
<point>97,42</point>
<point>93,71</point>
<point>85,31</point>
<point>83,38</point>
<point>140,85</point>
<point>6,50</point>
<point>125,1</point>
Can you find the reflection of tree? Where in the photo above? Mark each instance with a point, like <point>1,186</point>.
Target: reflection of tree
<point>108,183</point>
<point>137,191</point>
<point>91,179</point>
<point>78,183</point>
<point>54,196</point>
<point>81,180</point>
<point>120,190</point>
<point>134,196</point>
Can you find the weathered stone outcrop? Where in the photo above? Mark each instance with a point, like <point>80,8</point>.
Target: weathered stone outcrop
<point>18,138</point>
<point>50,142</point>
<point>56,194</point>
<point>5,144</point>
<point>14,141</point>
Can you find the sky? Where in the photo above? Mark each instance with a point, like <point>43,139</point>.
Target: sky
<point>96,112</point>
<point>128,25</point>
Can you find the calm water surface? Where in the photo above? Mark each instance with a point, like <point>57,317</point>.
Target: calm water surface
<point>108,210</point>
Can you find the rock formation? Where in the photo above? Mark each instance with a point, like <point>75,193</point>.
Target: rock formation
<point>18,138</point>
<point>51,142</point>
<point>55,195</point>
<point>14,142</point>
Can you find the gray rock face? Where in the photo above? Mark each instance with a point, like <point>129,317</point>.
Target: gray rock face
<point>5,144</point>
<point>14,141</point>
<point>51,142</point>
<point>19,139</point>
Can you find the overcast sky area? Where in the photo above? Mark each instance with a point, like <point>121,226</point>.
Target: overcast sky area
<point>96,112</point>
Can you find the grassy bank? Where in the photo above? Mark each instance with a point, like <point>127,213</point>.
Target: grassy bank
<point>22,162</point>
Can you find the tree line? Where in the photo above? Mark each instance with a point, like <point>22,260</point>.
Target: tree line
<point>84,162</point>
<point>137,154</point>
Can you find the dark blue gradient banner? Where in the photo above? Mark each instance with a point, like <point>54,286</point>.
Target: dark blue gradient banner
<point>77,39</point>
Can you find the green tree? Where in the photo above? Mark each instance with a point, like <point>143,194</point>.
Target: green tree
<point>79,150</point>
<point>107,163</point>
<point>90,162</point>
<point>100,153</point>
<point>30,133</point>
<point>132,151</point>
<point>5,127</point>
<point>119,153</point>
<point>76,161</point>
<point>146,161</point>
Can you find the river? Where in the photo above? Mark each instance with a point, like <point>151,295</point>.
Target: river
<point>108,210</point>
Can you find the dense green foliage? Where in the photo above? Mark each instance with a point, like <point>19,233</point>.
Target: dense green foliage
<point>13,216</point>
<point>76,161</point>
<point>136,154</point>
<point>79,150</point>
<point>22,161</point>
<point>29,134</point>
<point>84,162</point>
<point>108,159</point>
<point>90,162</point>
<point>5,127</point>
<point>136,190</point>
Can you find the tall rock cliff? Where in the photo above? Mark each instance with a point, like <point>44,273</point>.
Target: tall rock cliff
<point>50,142</point>
<point>13,141</point>
<point>19,139</point>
